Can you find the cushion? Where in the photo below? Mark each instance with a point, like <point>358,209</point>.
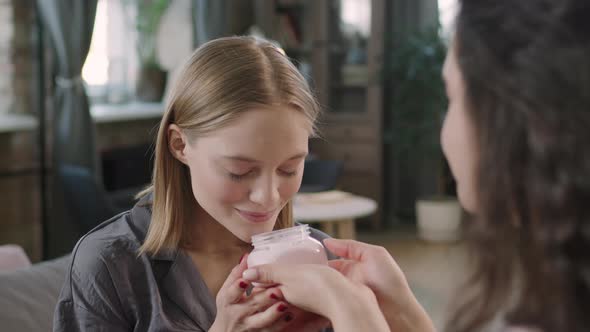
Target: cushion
<point>28,295</point>
<point>13,257</point>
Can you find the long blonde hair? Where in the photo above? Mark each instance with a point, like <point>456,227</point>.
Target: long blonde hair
<point>222,79</point>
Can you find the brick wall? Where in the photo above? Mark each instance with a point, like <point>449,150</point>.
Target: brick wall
<point>20,218</point>
<point>19,176</point>
<point>6,67</point>
<point>24,56</point>
<point>16,56</point>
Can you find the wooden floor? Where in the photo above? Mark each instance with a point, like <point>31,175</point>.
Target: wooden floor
<point>434,271</point>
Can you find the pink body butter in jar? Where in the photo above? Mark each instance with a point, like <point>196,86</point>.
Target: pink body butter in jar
<point>292,245</point>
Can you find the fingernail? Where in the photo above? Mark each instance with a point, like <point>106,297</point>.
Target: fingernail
<point>282,308</point>
<point>250,274</point>
<point>288,318</point>
<point>274,296</point>
<point>243,284</point>
<point>241,259</point>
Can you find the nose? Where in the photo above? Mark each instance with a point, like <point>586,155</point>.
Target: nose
<point>265,192</point>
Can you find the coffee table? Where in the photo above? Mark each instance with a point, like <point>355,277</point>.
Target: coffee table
<point>334,211</point>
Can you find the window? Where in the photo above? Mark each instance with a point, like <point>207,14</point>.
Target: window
<point>447,11</point>
<point>111,65</point>
<point>95,68</point>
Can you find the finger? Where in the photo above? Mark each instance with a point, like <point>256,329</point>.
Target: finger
<point>299,320</point>
<point>257,289</point>
<point>260,301</point>
<point>234,292</point>
<point>285,323</point>
<point>268,317</point>
<point>341,265</point>
<point>262,287</point>
<point>232,278</point>
<point>317,323</point>
<point>275,292</point>
<point>237,271</point>
<point>349,249</point>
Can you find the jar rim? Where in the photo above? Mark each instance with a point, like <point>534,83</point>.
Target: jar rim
<point>290,233</point>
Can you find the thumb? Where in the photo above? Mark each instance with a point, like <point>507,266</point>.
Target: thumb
<point>340,265</point>
<point>267,274</point>
<point>349,249</point>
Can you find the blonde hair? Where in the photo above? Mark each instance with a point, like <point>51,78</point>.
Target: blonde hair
<point>222,79</point>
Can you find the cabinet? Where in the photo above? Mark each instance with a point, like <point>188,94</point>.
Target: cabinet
<point>338,46</point>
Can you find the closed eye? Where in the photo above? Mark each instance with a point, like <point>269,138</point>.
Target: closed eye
<point>288,173</point>
<point>238,177</point>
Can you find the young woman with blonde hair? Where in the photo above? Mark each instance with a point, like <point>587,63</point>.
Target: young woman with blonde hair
<point>229,157</point>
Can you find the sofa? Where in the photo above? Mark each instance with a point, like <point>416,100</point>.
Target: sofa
<point>28,295</point>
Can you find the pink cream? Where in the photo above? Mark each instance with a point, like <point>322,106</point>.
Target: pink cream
<point>292,245</point>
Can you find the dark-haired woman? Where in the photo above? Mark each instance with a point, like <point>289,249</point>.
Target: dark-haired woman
<point>517,139</point>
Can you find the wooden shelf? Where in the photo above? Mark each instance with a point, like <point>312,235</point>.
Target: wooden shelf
<point>298,51</point>
<point>351,100</point>
<point>355,86</point>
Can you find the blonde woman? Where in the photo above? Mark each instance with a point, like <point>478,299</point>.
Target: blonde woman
<point>229,158</point>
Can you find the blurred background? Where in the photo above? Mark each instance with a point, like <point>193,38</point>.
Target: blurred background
<point>83,85</point>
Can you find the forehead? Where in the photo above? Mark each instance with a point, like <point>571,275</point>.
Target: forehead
<point>270,120</point>
<point>261,131</point>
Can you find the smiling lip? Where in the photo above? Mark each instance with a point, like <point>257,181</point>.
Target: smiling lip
<point>255,217</point>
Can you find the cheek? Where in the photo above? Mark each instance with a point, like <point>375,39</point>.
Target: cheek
<point>457,140</point>
<point>453,141</point>
<point>230,192</point>
<point>448,143</point>
<point>290,187</point>
<point>212,186</point>
<point>444,140</point>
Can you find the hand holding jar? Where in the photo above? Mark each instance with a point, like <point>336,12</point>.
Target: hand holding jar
<point>237,311</point>
<point>297,264</point>
<point>346,291</point>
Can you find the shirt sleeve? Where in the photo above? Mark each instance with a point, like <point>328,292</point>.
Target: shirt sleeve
<point>89,300</point>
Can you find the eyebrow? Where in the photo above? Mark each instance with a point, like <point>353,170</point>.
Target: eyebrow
<point>250,160</point>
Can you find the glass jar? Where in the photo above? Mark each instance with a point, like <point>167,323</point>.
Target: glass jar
<point>292,245</point>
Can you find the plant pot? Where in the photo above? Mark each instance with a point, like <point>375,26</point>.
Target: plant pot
<point>150,85</point>
<point>439,219</point>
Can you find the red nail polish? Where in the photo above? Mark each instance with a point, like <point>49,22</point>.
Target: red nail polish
<point>243,285</point>
<point>274,296</point>
<point>241,259</point>
<point>282,308</point>
<point>288,318</point>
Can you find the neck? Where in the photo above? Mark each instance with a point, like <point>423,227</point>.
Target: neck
<point>209,236</point>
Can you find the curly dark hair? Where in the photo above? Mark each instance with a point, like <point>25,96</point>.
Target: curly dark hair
<point>526,69</point>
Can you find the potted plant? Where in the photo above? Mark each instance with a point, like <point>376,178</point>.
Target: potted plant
<point>418,107</point>
<point>151,80</point>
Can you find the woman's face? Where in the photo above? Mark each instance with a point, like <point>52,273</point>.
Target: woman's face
<point>457,135</point>
<point>243,174</point>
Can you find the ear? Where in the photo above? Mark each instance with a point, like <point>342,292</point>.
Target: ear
<point>177,143</point>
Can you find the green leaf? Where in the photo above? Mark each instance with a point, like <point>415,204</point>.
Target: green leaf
<point>147,21</point>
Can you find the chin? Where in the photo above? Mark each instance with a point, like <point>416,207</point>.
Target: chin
<point>245,234</point>
<point>244,237</point>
